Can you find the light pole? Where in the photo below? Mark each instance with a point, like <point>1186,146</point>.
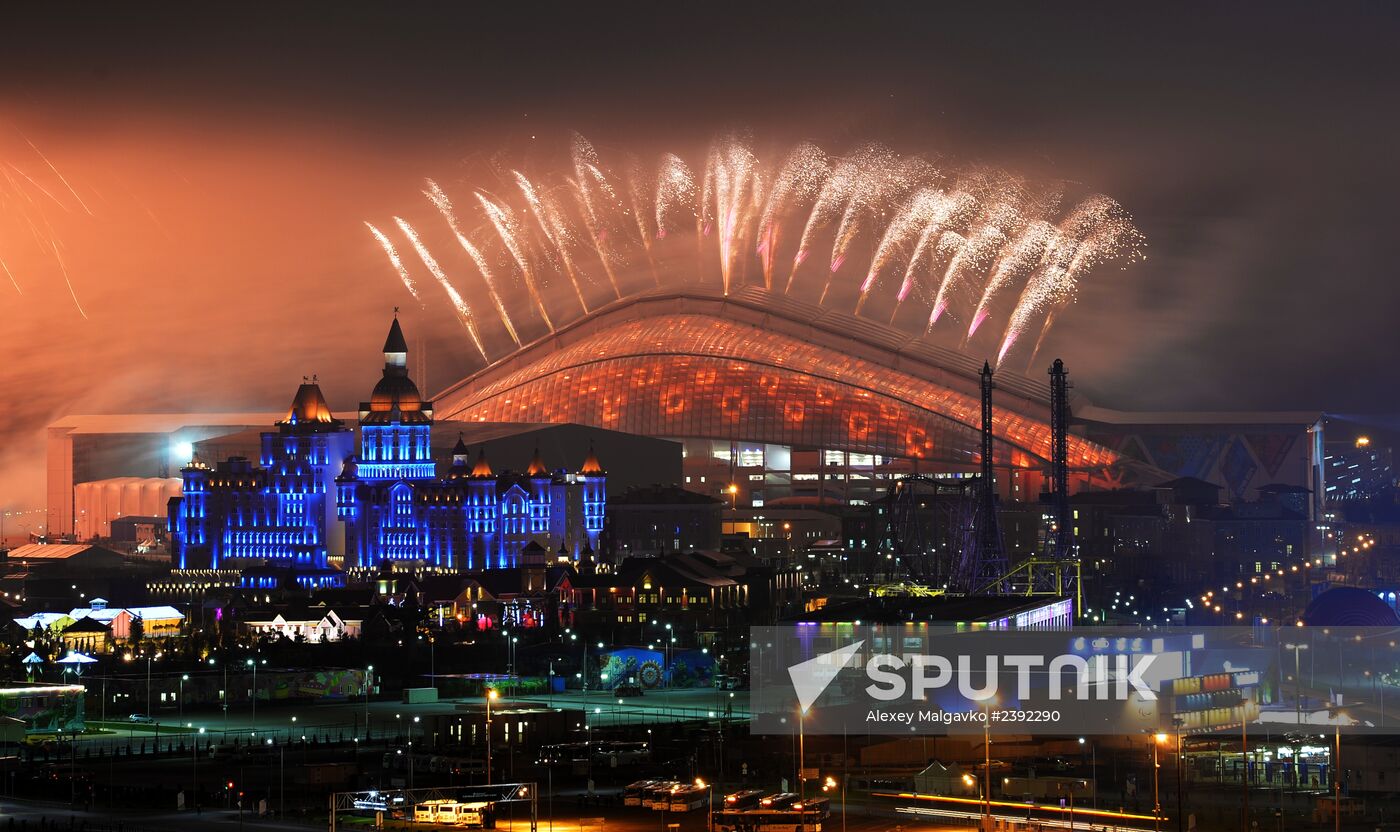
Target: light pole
<point>1335,711</point>
<point>666,671</point>
<point>196,770</point>
<point>254,665</point>
<point>1093,769</point>
<point>709,803</point>
<point>987,763</point>
<point>828,785</point>
<point>1177,722</point>
<point>225,695</point>
<point>369,683</point>
<point>1157,740</point>
<point>184,677</point>
<point>491,697</point>
<point>801,753</point>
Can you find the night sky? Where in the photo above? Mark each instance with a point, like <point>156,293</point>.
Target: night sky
<point>228,158</point>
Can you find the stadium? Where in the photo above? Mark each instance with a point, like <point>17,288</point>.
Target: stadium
<point>783,399</point>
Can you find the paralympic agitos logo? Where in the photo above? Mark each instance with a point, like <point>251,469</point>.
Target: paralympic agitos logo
<point>893,677</point>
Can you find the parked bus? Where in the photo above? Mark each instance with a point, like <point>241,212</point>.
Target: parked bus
<point>635,793</point>
<point>746,799</point>
<point>689,797</point>
<point>792,816</point>
<point>437,811</point>
<point>658,797</point>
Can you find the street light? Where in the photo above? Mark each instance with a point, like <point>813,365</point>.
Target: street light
<point>491,696</point>
<point>987,707</point>
<point>1297,683</point>
<point>196,770</point>
<point>254,665</point>
<point>1158,739</point>
<point>369,683</point>
<point>184,677</point>
<point>710,802</point>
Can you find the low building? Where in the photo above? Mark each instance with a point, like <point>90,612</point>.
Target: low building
<point>661,518</point>
<point>87,635</point>
<point>302,623</point>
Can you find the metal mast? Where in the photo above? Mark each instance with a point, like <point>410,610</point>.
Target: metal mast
<point>989,560</point>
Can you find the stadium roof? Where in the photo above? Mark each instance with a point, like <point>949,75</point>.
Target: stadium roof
<point>760,367</point>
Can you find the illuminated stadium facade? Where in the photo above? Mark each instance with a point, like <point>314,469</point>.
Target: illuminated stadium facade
<point>775,398</point>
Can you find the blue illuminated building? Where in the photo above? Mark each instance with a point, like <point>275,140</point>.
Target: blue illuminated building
<point>280,511</point>
<point>291,518</point>
<point>395,506</point>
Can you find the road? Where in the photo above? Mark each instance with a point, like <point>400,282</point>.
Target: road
<point>391,719</point>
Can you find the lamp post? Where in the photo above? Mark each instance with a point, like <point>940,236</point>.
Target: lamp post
<point>1093,768</point>
<point>1335,711</point>
<point>254,665</point>
<point>801,753</point>
<point>1297,683</point>
<point>1177,722</point>
<point>196,770</point>
<point>491,696</point>
<point>184,677</point>
<point>709,803</point>
<point>1157,740</point>
<point>369,683</point>
<point>828,785</point>
<point>987,764</point>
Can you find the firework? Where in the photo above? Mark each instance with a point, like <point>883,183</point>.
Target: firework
<point>393,255</point>
<point>555,231</point>
<point>974,244</point>
<point>464,312</point>
<point>23,200</point>
<point>439,199</point>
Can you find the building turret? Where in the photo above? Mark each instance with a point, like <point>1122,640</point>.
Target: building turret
<point>396,423</point>
<point>594,496</point>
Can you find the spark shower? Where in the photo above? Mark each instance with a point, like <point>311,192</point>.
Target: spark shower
<point>904,240</point>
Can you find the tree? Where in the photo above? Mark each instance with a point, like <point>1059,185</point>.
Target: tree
<point>137,632</point>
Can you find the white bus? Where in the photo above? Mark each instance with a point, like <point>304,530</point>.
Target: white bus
<point>689,797</point>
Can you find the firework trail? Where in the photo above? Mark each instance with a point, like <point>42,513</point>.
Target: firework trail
<point>971,244</point>
<point>972,259</point>
<point>949,245</point>
<point>464,312</point>
<point>589,186</point>
<point>10,275</point>
<point>63,267</point>
<point>439,199</point>
<point>798,182</point>
<point>922,219</point>
<point>675,190</point>
<point>508,228</point>
<point>60,176</point>
<point>1093,232</point>
<point>393,256</point>
<point>733,188</point>
<point>24,199</point>
<point>555,231</point>
<point>1025,255</point>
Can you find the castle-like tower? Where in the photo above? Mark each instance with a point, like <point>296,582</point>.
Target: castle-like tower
<point>282,510</point>
<point>395,507</point>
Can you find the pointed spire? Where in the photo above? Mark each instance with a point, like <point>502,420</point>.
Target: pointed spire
<point>308,405</point>
<point>459,453</point>
<point>482,467</point>
<point>537,468</point>
<point>590,463</point>
<point>395,346</point>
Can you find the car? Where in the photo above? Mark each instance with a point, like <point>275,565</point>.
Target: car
<point>143,719</point>
<point>628,689</point>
